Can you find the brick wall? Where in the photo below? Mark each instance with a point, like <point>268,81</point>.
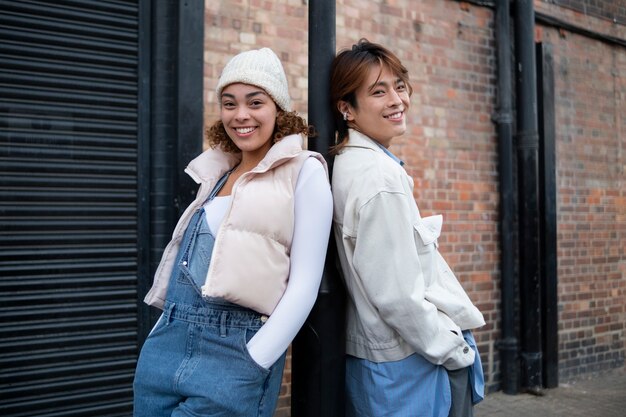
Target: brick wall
<point>591,206</point>
<point>605,9</point>
<point>450,148</point>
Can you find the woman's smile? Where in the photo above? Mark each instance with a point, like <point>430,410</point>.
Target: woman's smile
<point>244,131</point>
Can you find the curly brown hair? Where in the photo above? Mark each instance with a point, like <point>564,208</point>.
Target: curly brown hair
<point>287,123</point>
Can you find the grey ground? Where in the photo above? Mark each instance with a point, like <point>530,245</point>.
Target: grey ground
<point>597,396</point>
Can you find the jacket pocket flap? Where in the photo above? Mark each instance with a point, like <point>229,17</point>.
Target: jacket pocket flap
<point>429,228</point>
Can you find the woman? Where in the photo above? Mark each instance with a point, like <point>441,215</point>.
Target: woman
<point>406,353</point>
<point>243,268</point>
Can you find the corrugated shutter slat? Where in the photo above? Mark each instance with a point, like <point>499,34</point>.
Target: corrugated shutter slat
<point>68,207</point>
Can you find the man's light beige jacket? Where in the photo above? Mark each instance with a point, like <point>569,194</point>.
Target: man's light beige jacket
<point>403,297</point>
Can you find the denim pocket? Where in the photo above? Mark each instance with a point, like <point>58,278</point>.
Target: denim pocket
<point>157,324</point>
<point>248,333</point>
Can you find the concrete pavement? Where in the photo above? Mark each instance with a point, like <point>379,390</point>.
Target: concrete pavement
<point>599,396</point>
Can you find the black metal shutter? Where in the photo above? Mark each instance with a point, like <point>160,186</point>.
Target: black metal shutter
<point>69,187</point>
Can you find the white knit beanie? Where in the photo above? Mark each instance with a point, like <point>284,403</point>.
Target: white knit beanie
<point>259,67</point>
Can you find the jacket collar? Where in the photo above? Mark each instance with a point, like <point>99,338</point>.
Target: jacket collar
<point>211,164</point>
<point>357,139</point>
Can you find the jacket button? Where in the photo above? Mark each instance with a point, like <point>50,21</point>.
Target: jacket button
<point>185,263</point>
<point>465,349</point>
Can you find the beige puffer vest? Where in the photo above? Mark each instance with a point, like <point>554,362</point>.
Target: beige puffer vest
<point>250,261</point>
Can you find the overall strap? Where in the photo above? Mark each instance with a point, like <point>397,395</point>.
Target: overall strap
<point>218,185</point>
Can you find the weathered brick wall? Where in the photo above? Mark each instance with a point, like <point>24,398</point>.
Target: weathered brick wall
<point>613,10</point>
<point>591,206</point>
<point>451,148</point>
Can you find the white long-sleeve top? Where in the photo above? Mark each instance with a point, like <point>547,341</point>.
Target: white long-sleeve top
<point>312,221</point>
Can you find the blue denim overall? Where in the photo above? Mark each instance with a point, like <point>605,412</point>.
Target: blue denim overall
<point>195,361</point>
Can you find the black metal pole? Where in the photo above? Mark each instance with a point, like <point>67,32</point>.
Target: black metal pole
<point>508,344</point>
<point>163,214</point>
<point>318,350</point>
<point>322,42</point>
<point>190,108</point>
<point>175,125</point>
<point>528,170</point>
<point>548,193</point>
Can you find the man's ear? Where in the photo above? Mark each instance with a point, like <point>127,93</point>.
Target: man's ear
<point>344,109</point>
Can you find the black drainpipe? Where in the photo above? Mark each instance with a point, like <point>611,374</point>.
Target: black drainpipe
<point>528,181</point>
<point>504,119</point>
